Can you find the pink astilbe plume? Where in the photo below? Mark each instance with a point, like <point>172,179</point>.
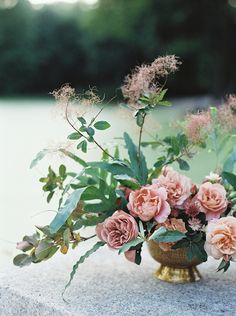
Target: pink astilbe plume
<point>74,104</point>
<point>145,78</point>
<point>198,126</point>
<point>64,94</point>
<point>227,114</point>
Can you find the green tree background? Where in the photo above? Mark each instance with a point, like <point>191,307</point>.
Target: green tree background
<point>41,49</point>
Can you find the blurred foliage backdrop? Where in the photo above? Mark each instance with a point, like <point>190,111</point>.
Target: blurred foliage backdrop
<point>43,47</point>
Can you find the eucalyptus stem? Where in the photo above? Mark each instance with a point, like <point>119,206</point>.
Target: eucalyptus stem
<point>82,135</point>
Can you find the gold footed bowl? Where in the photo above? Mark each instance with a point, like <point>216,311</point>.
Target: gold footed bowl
<point>175,267</point>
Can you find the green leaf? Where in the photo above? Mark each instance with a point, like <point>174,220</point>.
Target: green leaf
<point>45,250</point>
<point>62,171</point>
<point>139,167</point>
<point>50,196</point>
<point>92,193</point>
<point>140,117</point>
<point>199,251</point>
<point>230,178</point>
<point>183,243</point>
<point>190,253</point>
<point>230,161</point>
<point>183,165</point>
<point>22,260</point>
<point>82,120</point>
<point>38,157</point>
<point>90,131</point>
<point>83,146</point>
<point>90,221</point>
<point>224,265</point>
<point>102,125</point>
<point>164,235</point>
<point>127,181</point>
<point>130,244</point>
<point>65,211</point>
<point>73,157</point>
<point>98,245</point>
<point>114,167</point>
<point>66,237</point>
<point>165,103</point>
<point>74,136</point>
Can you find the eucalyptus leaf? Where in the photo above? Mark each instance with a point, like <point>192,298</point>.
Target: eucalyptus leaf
<point>102,125</point>
<point>38,157</point>
<point>22,260</point>
<point>74,136</point>
<point>45,250</point>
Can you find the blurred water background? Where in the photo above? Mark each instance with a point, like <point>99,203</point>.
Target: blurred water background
<point>45,43</point>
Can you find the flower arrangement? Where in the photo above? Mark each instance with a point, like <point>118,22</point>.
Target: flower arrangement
<point>130,203</point>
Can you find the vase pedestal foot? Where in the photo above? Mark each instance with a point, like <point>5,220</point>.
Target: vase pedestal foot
<point>177,275</point>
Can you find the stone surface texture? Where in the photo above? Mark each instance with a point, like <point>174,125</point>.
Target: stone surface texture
<point>108,285</point>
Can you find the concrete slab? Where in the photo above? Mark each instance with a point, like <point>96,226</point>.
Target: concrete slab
<point>108,285</point>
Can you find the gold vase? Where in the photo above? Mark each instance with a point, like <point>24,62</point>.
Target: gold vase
<point>175,267</point>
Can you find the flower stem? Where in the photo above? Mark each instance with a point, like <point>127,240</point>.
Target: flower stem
<point>82,135</point>
<point>140,137</point>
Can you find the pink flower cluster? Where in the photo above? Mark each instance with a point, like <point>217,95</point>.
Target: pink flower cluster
<point>169,196</point>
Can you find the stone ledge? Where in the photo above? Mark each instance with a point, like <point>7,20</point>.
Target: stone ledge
<point>110,286</point>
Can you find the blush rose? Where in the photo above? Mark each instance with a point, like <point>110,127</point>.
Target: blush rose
<point>212,199</point>
<point>149,202</point>
<point>221,238</point>
<point>117,230</point>
<point>178,187</point>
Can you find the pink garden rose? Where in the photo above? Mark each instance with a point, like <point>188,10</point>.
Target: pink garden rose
<point>221,238</point>
<point>178,187</point>
<point>117,230</point>
<point>212,199</point>
<point>149,202</point>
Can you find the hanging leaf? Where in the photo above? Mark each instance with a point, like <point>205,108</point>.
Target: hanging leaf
<point>98,245</point>
<point>65,211</point>
<point>38,157</point>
